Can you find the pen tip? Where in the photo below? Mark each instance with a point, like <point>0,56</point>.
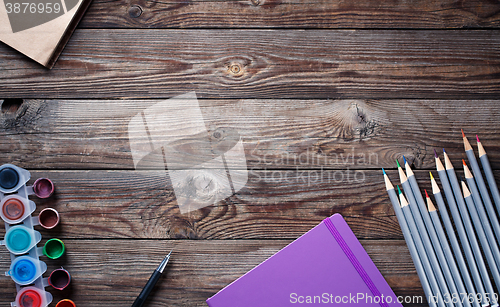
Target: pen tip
<point>397,162</point>
<point>435,153</point>
<point>477,138</point>
<point>463,134</point>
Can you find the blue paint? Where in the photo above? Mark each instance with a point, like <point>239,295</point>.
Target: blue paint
<point>24,271</point>
<point>18,240</point>
<point>9,178</point>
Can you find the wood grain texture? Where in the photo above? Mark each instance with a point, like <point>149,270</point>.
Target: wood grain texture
<point>276,134</point>
<point>272,205</point>
<point>112,272</point>
<point>292,14</point>
<point>263,64</point>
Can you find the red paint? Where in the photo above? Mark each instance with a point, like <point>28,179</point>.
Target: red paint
<point>30,298</point>
<point>66,303</point>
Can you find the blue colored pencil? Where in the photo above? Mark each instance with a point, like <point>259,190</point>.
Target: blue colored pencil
<point>489,174</point>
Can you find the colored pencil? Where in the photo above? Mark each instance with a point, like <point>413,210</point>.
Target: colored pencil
<point>421,207</point>
<point>450,171</point>
<point>476,200</point>
<point>489,174</point>
<point>409,241</point>
<point>421,230</point>
<point>482,189</point>
<point>446,249</point>
<point>460,229</point>
<point>481,235</point>
<point>453,240</point>
<point>420,248</point>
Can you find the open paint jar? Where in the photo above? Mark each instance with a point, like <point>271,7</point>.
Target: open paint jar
<point>33,297</point>
<point>25,270</point>
<point>48,218</point>
<point>20,239</point>
<point>12,178</point>
<point>54,248</point>
<point>65,303</point>
<point>14,209</point>
<point>43,187</point>
<point>59,279</point>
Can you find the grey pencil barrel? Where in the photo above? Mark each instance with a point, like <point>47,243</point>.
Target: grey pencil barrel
<point>484,241</point>
<point>445,266</point>
<point>484,195</point>
<point>476,200</point>
<point>449,255</point>
<point>421,230</point>
<point>422,252</point>
<point>461,233</point>
<point>491,180</point>
<point>456,247</point>
<point>483,272</point>
<point>411,246</point>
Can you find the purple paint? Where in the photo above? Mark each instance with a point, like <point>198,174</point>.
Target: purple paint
<point>48,218</point>
<point>59,279</point>
<point>43,187</point>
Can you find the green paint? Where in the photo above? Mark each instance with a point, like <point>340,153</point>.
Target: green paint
<point>54,248</point>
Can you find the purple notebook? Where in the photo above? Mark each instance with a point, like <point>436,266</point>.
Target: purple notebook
<point>326,265</point>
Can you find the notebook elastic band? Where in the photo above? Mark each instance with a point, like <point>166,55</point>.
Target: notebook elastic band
<point>359,268</point>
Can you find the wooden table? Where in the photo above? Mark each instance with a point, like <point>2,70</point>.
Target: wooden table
<point>323,93</point>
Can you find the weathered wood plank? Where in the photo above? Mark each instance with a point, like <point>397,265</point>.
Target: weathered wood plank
<point>112,272</point>
<point>276,134</point>
<point>272,205</point>
<point>262,64</point>
<point>291,14</point>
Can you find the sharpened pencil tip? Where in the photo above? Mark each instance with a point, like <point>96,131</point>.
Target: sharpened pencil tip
<point>397,162</point>
<point>432,177</point>
<point>463,134</point>
<point>477,138</point>
<point>435,153</point>
<point>463,161</point>
<point>444,150</point>
<point>399,190</point>
<point>404,159</point>
<point>426,195</point>
<point>383,171</point>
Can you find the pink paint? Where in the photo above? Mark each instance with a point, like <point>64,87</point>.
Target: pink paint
<point>43,187</point>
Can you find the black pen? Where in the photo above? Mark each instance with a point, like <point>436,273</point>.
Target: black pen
<point>151,282</point>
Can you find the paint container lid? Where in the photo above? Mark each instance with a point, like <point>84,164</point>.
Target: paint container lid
<point>20,239</point>
<point>9,178</point>
<point>66,303</point>
<point>25,270</point>
<point>59,279</point>
<point>14,209</point>
<point>48,218</point>
<point>12,178</point>
<point>43,187</point>
<point>54,248</point>
<point>33,297</point>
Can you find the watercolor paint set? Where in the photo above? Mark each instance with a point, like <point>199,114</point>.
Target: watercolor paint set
<point>21,239</point>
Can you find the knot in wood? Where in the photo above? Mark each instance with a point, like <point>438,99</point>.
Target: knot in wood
<point>135,11</point>
<point>235,69</point>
